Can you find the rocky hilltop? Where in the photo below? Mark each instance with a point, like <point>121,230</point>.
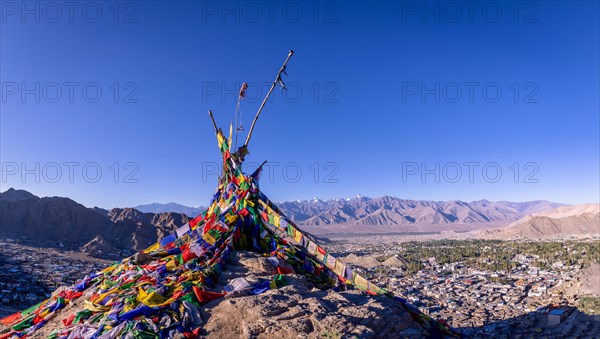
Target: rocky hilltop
<point>296,309</point>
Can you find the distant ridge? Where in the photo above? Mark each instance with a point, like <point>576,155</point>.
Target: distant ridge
<point>170,207</point>
<point>572,221</point>
<point>388,210</point>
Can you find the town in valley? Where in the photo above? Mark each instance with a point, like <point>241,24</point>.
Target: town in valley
<point>476,286</point>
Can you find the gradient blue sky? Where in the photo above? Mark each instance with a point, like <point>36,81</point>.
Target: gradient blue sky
<point>356,64</point>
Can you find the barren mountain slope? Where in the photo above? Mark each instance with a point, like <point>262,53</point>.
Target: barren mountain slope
<point>580,220</point>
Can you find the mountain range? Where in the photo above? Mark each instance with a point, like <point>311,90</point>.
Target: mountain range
<point>170,207</point>
<point>390,211</point>
<point>59,220</point>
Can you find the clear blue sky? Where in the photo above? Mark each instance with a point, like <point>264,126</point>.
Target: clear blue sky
<point>369,75</point>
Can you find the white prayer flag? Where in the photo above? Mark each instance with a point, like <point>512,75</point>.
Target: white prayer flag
<point>183,230</point>
<point>237,284</point>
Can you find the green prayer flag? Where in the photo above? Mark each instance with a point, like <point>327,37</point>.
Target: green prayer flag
<point>30,309</point>
<point>81,315</point>
<point>24,323</point>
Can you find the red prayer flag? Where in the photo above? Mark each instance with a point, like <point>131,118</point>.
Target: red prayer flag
<point>70,294</point>
<point>192,334</point>
<point>208,226</point>
<point>188,255</point>
<point>283,270</point>
<point>195,221</point>
<point>37,320</point>
<point>11,318</point>
<point>206,296</point>
<point>69,320</point>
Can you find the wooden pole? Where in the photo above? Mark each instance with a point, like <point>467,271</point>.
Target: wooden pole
<point>277,78</point>
<point>213,121</point>
<point>258,169</point>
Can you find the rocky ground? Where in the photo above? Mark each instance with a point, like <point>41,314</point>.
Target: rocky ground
<point>297,310</point>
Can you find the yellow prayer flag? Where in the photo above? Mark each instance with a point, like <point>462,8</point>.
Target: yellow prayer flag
<point>209,239</point>
<point>185,238</point>
<point>220,139</point>
<point>95,308</point>
<point>360,282</point>
<point>320,256</point>
<point>297,235</point>
<point>151,299</point>
<point>171,265</point>
<point>231,218</point>
<point>129,307</point>
<point>339,268</point>
<point>152,248</point>
<point>109,269</point>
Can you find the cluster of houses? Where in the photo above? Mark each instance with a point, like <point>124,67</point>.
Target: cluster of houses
<point>28,275</point>
<point>487,301</point>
